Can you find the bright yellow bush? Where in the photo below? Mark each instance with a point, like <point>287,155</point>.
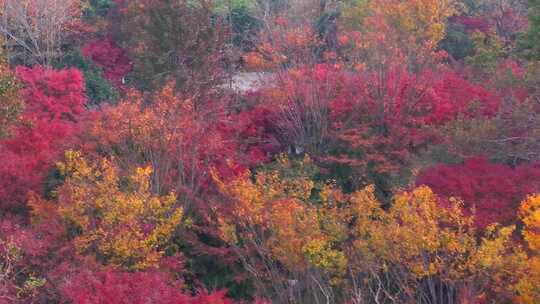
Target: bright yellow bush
<point>530,214</point>
<point>416,240</point>
<point>120,222</point>
<point>528,288</point>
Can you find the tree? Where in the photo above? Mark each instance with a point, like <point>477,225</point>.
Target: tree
<point>279,235</point>
<point>106,54</point>
<point>389,29</point>
<point>110,286</point>
<point>528,212</point>
<point>527,287</point>
<point>36,30</point>
<point>348,247</point>
<point>363,125</point>
<point>532,37</point>
<point>180,141</point>
<point>54,104</point>
<point>19,282</point>
<point>113,286</point>
<point>98,87</point>
<point>283,44</point>
<point>10,102</point>
<point>121,227</point>
<point>448,260</point>
<point>492,191</point>
<point>176,40</point>
<point>457,42</point>
<point>98,8</point>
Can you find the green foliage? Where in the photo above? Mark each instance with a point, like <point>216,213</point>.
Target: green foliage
<point>31,285</point>
<point>97,8</point>
<point>98,88</point>
<point>10,102</point>
<point>457,42</point>
<point>488,49</point>
<point>224,6</point>
<point>244,26</point>
<point>531,40</point>
<point>354,13</point>
<point>212,272</point>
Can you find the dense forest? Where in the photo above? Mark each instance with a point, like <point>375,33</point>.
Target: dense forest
<point>270,151</point>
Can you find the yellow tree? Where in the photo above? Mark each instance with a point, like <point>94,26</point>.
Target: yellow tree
<point>529,287</point>
<point>286,226</point>
<point>530,214</point>
<point>389,29</point>
<point>278,232</point>
<point>420,21</point>
<point>118,220</point>
<point>419,250</point>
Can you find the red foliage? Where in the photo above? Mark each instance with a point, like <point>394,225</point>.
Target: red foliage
<point>117,287</point>
<point>383,115</point>
<point>54,102</point>
<point>52,94</point>
<point>510,81</point>
<point>451,95</point>
<point>30,243</point>
<point>379,120</point>
<point>429,97</point>
<point>211,298</point>
<point>472,24</point>
<point>24,252</point>
<point>106,54</point>
<point>494,190</point>
<point>254,128</point>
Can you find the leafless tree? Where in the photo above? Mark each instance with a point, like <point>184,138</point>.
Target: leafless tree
<point>36,29</point>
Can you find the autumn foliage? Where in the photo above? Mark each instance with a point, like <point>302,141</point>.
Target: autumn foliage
<point>11,104</point>
<point>106,54</point>
<point>342,237</point>
<point>131,226</point>
<point>493,191</point>
<point>54,102</point>
<point>217,152</point>
<point>110,286</point>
